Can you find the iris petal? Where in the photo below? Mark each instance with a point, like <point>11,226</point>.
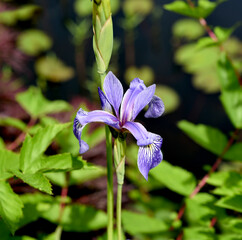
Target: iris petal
<point>106,106</point>
<point>150,156</point>
<point>142,100</point>
<point>136,87</point>
<point>114,91</point>
<point>156,108</point>
<point>83,118</point>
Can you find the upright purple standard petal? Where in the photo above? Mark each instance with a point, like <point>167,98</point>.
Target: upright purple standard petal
<point>136,87</point>
<point>156,108</point>
<point>142,100</point>
<point>150,156</point>
<point>114,91</point>
<point>106,106</point>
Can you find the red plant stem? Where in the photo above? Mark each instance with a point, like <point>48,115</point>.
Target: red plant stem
<point>213,222</point>
<point>64,193</point>
<point>179,237</point>
<point>203,22</point>
<point>12,146</point>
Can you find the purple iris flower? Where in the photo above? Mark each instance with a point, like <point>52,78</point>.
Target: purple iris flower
<point>119,112</point>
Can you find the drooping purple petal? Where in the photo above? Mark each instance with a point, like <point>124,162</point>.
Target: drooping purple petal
<point>139,132</point>
<point>82,118</point>
<point>98,116</point>
<point>142,100</point>
<point>77,129</point>
<point>114,91</point>
<point>106,106</point>
<point>150,156</point>
<point>156,108</point>
<point>136,86</point>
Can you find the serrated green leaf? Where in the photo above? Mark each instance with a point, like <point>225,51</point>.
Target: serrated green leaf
<point>136,223</point>
<point>77,218</point>
<point>175,178</point>
<point>231,202</point>
<point>34,205</point>
<point>208,137</point>
<point>23,13</point>
<point>218,178</point>
<point>234,153</point>
<point>189,29</point>
<point>204,8</point>
<point>87,173</point>
<point>33,42</point>
<point>200,209</point>
<point>33,148</point>
<point>226,74</point>
<point>36,180</point>
<point>9,161</point>
<point>199,233</point>
<point>36,105</point>
<point>10,206</point>
<point>13,122</point>
<point>206,42</point>
<point>232,102</point>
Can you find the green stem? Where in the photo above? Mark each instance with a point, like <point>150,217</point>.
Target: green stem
<point>109,183</point>
<point>119,209</point>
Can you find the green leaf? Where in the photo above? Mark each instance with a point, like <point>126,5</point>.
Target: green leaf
<point>4,231</point>
<point>136,223</point>
<point>53,69</point>
<point>231,202</point>
<point>224,33</point>
<point>36,180</point>
<point>60,162</point>
<point>199,233</point>
<point>33,42</point>
<point>33,148</point>
<point>87,173</point>
<point>226,73</point>
<point>175,178</point>
<point>200,209</point>
<point>230,236</point>
<point>10,206</point>
<point>2,144</point>
<point>23,13</point>
<point>206,42</point>
<point>188,29</point>
<point>9,161</point>
<point>77,218</point>
<point>232,102</point>
<point>208,137</point>
<point>36,105</point>
<point>234,153</point>
<point>169,96</point>
<point>34,205</point>
<point>203,10</point>
<point>13,122</point>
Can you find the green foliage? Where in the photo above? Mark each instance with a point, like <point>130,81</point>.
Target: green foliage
<point>33,148</point>
<point>201,233</point>
<point>33,42</point>
<point>176,179</point>
<point>76,218</point>
<point>53,69</point>
<point>36,105</point>
<point>13,122</point>
<point>188,29</point>
<point>9,162</point>
<point>136,223</point>
<point>202,10</point>
<point>208,137</point>
<point>23,13</point>
<point>233,202</point>
<point>234,152</point>
<point>10,206</point>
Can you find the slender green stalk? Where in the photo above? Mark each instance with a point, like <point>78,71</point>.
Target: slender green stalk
<point>118,211</point>
<point>109,183</point>
<point>119,160</point>
<point>102,46</point>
